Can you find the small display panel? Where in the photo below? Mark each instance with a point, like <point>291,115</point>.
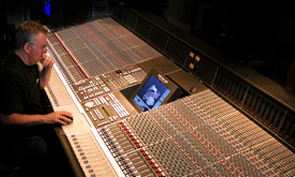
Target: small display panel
<point>152,94</point>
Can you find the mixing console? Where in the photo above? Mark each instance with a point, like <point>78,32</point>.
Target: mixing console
<point>89,88</point>
<point>195,136</point>
<point>56,92</point>
<point>198,135</point>
<point>91,157</point>
<point>96,48</point>
<point>124,77</point>
<point>95,86</point>
<point>107,108</point>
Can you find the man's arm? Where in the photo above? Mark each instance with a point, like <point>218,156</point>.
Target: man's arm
<point>47,63</point>
<point>23,120</point>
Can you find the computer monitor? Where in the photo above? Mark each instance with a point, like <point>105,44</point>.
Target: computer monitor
<point>156,89</point>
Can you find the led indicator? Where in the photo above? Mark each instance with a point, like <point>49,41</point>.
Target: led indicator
<point>105,111</point>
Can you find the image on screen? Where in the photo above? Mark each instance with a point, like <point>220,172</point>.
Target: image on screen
<point>152,94</point>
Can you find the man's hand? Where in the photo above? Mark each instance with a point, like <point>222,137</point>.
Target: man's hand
<point>60,117</point>
<point>24,120</point>
<point>47,61</point>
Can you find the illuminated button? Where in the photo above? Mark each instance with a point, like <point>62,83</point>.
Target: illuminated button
<point>138,145</point>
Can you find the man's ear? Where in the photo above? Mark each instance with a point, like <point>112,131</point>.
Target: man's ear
<point>27,48</point>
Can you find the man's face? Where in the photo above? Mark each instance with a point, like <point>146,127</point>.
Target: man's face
<point>39,48</point>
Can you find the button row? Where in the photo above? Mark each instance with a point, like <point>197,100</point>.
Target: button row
<point>118,107</point>
<point>90,156</point>
<point>145,154</point>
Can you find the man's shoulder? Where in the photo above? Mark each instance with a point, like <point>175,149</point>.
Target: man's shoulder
<point>10,62</point>
<point>9,69</point>
<point>10,56</point>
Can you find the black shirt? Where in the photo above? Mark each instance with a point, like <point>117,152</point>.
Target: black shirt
<point>20,87</point>
<point>19,93</point>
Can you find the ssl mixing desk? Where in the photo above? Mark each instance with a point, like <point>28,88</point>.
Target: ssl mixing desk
<point>139,112</point>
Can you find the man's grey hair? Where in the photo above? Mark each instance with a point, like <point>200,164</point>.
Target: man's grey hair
<point>27,32</point>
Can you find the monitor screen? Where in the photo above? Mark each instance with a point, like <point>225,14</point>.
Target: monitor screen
<point>152,94</point>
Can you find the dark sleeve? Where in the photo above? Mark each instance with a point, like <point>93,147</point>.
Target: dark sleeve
<point>11,94</point>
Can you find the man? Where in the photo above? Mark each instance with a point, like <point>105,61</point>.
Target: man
<point>21,110</point>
